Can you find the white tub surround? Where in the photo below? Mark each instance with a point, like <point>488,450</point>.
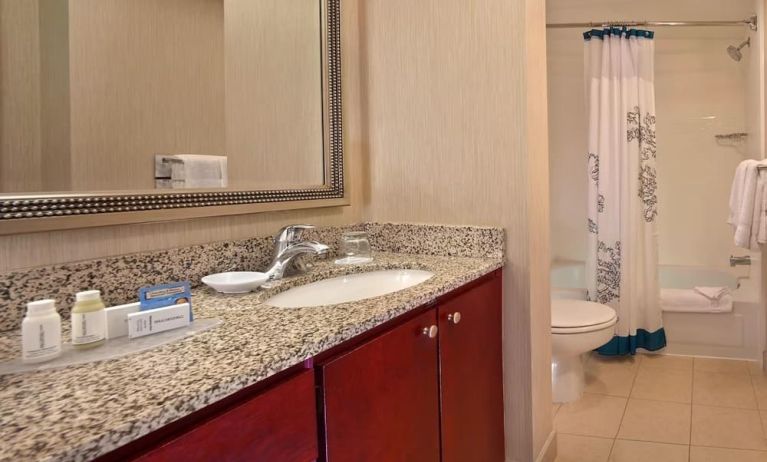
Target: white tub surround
<point>692,301</point>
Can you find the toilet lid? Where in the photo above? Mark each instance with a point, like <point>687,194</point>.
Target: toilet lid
<point>579,313</point>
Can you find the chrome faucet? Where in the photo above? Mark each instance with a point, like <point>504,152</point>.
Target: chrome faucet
<point>290,252</point>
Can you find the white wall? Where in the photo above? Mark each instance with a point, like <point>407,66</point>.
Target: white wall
<point>700,92</point>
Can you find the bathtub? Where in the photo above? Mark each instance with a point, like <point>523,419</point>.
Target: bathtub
<point>739,334</point>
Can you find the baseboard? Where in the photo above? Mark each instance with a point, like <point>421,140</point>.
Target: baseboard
<point>549,450</point>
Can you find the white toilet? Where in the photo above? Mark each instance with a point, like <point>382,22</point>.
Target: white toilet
<point>577,327</point>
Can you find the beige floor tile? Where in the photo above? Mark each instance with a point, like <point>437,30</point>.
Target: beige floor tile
<point>763,416</point>
<point>592,415</point>
<point>642,451</point>
<point>624,361</point>
<point>702,454</point>
<point>727,428</point>
<point>613,376</point>
<point>760,390</point>
<point>657,421</point>
<point>730,366</point>
<point>663,385</point>
<point>575,448</point>
<point>554,408</point>
<point>755,368</point>
<point>683,363</point>
<point>723,389</point>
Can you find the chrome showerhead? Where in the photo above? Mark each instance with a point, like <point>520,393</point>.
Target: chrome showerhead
<point>735,52</point>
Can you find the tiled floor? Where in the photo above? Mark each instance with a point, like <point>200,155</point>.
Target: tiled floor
<point>666,409</point>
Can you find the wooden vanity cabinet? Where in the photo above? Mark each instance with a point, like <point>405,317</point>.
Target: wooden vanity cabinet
<point>425,387</point>
<point>416,393</point>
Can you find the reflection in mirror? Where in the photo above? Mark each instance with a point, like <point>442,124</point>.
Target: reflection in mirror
<point>134,95</point>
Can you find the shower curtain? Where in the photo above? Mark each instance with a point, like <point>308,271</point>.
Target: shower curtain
<point>622,264</point>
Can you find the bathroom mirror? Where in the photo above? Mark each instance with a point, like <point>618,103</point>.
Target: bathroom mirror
<point>124,111</point>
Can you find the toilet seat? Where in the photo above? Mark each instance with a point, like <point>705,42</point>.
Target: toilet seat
<point>580,330</point>
<point>579,316</point>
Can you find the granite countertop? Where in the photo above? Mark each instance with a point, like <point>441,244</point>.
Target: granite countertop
<point>81,412</point>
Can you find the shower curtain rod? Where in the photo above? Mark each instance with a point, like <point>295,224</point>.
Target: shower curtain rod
<point>750,22</point>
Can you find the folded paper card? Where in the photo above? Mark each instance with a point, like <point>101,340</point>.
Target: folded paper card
<point>163,295</point>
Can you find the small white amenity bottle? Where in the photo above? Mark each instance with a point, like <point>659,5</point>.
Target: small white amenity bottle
<point>40,332</point>
<point>88,320</point>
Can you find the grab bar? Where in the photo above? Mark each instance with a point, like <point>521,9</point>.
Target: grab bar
<point>740,261</point>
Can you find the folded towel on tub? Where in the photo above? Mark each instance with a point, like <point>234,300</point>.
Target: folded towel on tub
<point>691,301</point>
<point>712,293</point>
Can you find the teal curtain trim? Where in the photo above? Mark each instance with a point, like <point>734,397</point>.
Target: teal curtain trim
<point>620,346</point>
<point>619,31</point>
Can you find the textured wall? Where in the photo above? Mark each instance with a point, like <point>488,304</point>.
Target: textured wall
<point>20,157</point>
<point>455,107</point>
<point>165,92</point>
<point>273,93</point>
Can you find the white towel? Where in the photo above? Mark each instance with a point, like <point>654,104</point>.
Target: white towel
<point>736,192</point>
<point>712,293</point>
<point>742,198</point>
<point>759,220</point>
<point>762,233</point>
<point>690,301</point>
<point>199,171</point>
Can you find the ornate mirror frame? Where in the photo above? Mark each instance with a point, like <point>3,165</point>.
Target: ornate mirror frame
<point>24,213</point>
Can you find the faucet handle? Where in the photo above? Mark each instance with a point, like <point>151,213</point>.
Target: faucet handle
<point>291,233</point>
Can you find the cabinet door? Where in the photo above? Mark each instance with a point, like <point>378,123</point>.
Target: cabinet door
<point>471,381</point>
<point>278,425</point>
<point>381,399</point>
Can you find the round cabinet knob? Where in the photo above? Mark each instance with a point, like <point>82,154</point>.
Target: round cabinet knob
<point>430,331</point>
<point>455,318</point>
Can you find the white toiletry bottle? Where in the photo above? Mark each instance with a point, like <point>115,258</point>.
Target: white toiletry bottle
<point>40,332</point>
<point>88,320</point>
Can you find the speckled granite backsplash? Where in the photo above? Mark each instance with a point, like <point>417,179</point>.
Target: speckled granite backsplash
<point>119,278</point>
<point>440,240</point>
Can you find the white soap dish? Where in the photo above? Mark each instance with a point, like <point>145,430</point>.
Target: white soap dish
<point>235,282</point>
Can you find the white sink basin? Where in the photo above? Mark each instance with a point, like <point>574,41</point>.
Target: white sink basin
<point>349,288</point>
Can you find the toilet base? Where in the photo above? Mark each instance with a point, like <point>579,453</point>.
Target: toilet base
<point>567,378</point>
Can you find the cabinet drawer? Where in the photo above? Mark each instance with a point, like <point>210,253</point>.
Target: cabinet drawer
<point>277,425</point>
